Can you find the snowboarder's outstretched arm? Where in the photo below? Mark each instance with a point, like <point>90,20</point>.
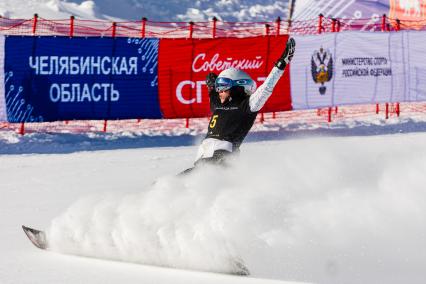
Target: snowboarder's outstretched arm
<point>262,94</point>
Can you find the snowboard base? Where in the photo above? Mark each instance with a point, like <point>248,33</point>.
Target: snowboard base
<point>38,238</point>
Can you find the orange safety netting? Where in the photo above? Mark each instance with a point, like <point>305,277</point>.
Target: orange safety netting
<point>302,119</point>
<point>142,28</point>
<point>211,29</point>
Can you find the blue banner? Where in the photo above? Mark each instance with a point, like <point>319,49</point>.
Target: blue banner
<point>62,78</point>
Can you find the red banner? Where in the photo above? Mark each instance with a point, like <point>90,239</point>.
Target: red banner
<point>412,13</point>
<point>185,63</point>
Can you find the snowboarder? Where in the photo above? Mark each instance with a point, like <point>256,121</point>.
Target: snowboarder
<point>234,103</point>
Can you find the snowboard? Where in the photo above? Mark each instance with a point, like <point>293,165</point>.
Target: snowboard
<point>38,238</point>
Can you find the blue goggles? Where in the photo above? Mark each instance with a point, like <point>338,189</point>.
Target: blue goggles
<point>224,84</point>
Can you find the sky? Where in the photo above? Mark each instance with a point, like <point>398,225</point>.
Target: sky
<point>168,10</point>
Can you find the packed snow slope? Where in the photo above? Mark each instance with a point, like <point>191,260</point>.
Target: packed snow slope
<point>324,210</point>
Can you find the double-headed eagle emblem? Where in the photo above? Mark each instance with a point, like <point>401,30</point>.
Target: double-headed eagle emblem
<point>322,68</point>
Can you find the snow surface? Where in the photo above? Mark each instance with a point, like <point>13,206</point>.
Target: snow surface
<point>322,207</point>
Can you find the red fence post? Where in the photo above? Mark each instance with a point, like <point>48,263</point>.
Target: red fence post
<point>320,18</point>
<point>377,108</point>
<point>114,29</point>
<point>191,32</point>
<point>214,27</point>
<point>329,114</point>
<point>267,27</point>
<point>35,23</point>
<point>278,22</point>
<point>22,128</point>
<point>267,30</point>
<point>71,26</point>
<point>383,22</point>
<point>338,25</point>
<point>191,29</point>
<point>387,110</point>
<point>333,25</point>
<point>397,109</point>
<point>105,126</point>
<point>398,25</point>
<point>143,27</point>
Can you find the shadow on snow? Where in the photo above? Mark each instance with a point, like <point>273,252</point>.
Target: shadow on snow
<point>55,143</point>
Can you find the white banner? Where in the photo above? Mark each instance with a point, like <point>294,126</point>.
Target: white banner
<point>3,115</point>
<point>416,66</point>
<point>358,68</point>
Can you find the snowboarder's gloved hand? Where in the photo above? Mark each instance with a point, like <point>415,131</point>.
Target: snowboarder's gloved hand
<point>287,54</point>
<point>210,80</point>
